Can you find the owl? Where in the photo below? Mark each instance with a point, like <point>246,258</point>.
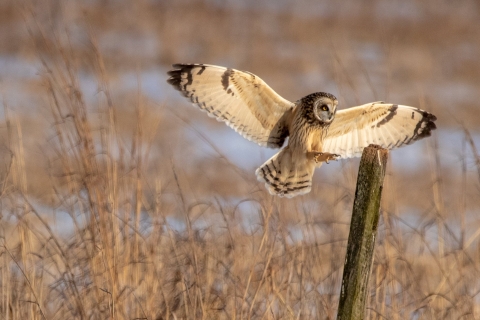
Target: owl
<point>317,132</point>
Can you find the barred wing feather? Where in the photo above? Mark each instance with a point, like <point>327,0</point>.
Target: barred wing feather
<point>387,125</point>
<point>240,99</point>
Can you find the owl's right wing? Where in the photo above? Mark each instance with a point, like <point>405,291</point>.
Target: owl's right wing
<point>384,124</point>
<point>240,99</point>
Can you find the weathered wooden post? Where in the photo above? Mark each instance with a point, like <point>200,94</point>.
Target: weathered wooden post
<point>363,231</point>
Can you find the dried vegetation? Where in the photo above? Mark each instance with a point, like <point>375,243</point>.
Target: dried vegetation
<point>117,200</point>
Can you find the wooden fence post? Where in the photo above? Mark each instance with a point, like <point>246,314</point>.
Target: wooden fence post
<point>363,231</point>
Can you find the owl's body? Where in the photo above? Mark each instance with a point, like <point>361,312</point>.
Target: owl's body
<point>317,132</point>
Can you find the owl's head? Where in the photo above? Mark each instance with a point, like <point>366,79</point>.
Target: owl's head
<point>322,105</point>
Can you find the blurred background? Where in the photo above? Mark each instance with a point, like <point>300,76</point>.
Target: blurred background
<point>120,200</point>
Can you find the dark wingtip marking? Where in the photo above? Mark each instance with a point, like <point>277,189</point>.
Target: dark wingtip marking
<point>175,79</point>
<point>429,116</point>
<point>176,75</point>
<point>425,126</point>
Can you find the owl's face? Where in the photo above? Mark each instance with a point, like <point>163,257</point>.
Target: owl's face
<point>324,109</point>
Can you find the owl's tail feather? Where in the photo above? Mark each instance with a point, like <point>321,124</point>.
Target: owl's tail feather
<point>287,174</point>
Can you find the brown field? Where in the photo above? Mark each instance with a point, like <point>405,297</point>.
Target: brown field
<point>118,200</point>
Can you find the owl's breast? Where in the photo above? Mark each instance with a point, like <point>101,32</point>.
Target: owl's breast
<point>307,138</point>
<point>315,139</point>
<point>306,133</point>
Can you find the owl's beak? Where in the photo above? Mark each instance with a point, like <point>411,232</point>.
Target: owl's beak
<point>332,115</point>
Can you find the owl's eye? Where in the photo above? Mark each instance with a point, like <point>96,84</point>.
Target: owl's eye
<point>324,107</point>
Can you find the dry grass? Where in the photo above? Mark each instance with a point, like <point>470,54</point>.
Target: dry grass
<point>109,209</point>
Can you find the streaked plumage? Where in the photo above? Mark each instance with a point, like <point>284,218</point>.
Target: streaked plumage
<point>318,132</point>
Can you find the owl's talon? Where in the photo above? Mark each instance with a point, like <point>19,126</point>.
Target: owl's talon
<point>323,156</point>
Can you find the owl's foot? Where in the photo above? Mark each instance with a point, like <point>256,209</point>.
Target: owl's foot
<point>322,156</point>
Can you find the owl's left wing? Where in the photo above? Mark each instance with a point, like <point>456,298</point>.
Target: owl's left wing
<point>387,125</point>
<point>240,99</point>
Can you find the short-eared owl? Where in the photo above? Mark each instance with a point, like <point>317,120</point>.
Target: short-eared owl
<point>318,132</point>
